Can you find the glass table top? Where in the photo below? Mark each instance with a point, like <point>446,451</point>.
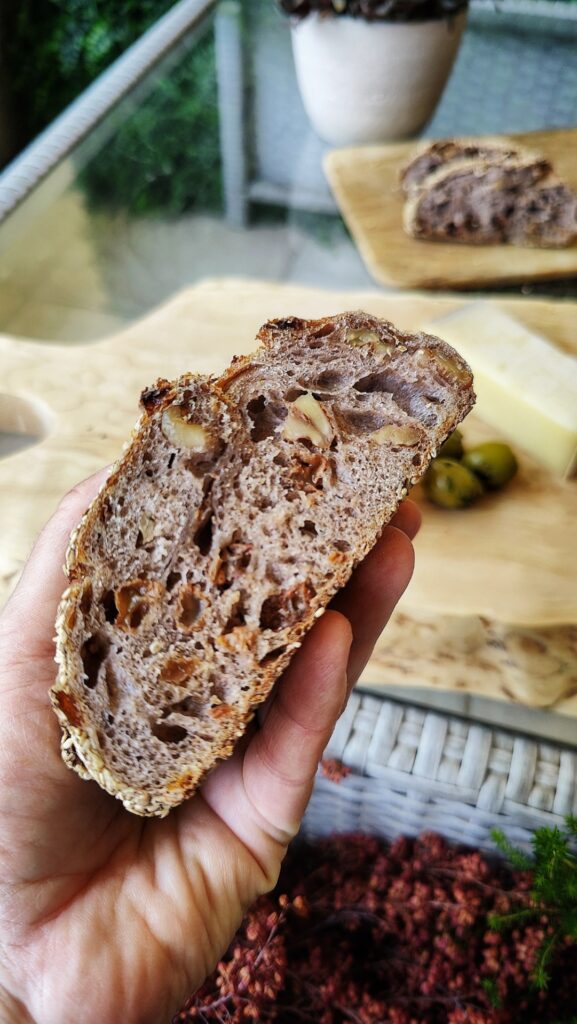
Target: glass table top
<point>208,166</point>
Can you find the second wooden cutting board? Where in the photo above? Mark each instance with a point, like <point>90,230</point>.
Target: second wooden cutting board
<point>365,182</point>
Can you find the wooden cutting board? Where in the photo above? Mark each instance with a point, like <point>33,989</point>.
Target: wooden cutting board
<point>511,560</point>
<point>365,182</point>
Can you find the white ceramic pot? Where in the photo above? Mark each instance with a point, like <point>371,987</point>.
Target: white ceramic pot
<point>364,81</point>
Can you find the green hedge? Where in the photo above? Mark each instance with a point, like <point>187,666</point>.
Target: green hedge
<point>53,49</point>
<point>164,157</point>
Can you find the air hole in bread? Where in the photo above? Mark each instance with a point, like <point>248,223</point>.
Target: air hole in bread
<point>281,610</point>
<point>265,416</point>
<point>189,606</point>
<point>373,382</point>
<point>137,614</point>
<point>323,331</point>
<point>362,421</point>
<point>203,535</point>
<point>329,380</point>
<point>269,658</point>
<point>238,615</point>
<point>171,459</point>
<point>313,473</point>
<point>407,395</point>
<point>309,528</point>
<point>177,670</point>
<point>416,460</point>
<point>109,605</point>
<point>86,599</point>
<point>168,733</point>
<point>93,653</point>
<point>235,559</point>
<point>112,687</point>
<point>294,393</point>
<point>187,706</point>
<point>342,545</point>
<point>133,602</point>
<point>217,688</point>
<point>172,579</point>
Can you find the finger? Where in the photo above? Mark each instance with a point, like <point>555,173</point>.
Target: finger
<point>271,792</point>
<point>371,594</point>
<point>31,609</point>
<point>407,518</point>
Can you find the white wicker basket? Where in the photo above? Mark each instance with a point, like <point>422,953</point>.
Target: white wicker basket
<point>415,770</point>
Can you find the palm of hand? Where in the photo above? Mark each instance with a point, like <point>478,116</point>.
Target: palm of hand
<point>106,916</point>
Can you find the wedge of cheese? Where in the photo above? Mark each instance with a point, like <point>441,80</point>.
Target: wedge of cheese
<point>526,388</point>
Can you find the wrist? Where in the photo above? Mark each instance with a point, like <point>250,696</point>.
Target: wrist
<point>12,1011</point>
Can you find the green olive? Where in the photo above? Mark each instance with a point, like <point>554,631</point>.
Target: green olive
<point>453,446</point>
<point>450,484</point>
<point>493,462</point>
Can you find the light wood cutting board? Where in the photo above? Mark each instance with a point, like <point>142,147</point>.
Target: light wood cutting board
<point>513,558</point>
<point>365,182</point>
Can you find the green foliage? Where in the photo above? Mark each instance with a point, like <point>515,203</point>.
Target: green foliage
<point>165,157</point>
<point>489,985</point>
<point>553,892</point>
<point>53,49</point>
<point>516,857</point>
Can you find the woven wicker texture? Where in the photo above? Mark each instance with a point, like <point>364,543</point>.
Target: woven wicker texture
<point>415,770</point>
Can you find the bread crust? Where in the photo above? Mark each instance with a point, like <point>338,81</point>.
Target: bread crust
<point>431,156</point>
<point>261,648</point>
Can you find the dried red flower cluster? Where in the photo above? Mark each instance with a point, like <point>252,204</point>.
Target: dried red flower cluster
<point>334,770</point>
<point>359,931</point>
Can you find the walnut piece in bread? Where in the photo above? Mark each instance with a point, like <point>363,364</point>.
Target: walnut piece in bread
<point>240,507</point>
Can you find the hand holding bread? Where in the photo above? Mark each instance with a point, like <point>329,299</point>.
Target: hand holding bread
<point>105,916</point>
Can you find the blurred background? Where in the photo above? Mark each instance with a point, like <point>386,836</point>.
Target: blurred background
<point>211,138</point>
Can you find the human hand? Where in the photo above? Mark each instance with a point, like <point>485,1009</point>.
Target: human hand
<point>105,916</point>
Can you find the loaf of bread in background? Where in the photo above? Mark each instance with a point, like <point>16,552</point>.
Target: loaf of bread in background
<point>240,507</point>
<point>486,192</point>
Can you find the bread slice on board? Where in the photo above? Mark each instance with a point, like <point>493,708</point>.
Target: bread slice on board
<point>240,507</point>
<point>486,194</point>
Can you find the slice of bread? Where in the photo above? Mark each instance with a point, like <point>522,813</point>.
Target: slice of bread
<point>488,204</point>
<point>487,194</point>
<point>240,507</point>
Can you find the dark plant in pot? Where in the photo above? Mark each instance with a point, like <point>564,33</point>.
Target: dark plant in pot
<point>370,71</point>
